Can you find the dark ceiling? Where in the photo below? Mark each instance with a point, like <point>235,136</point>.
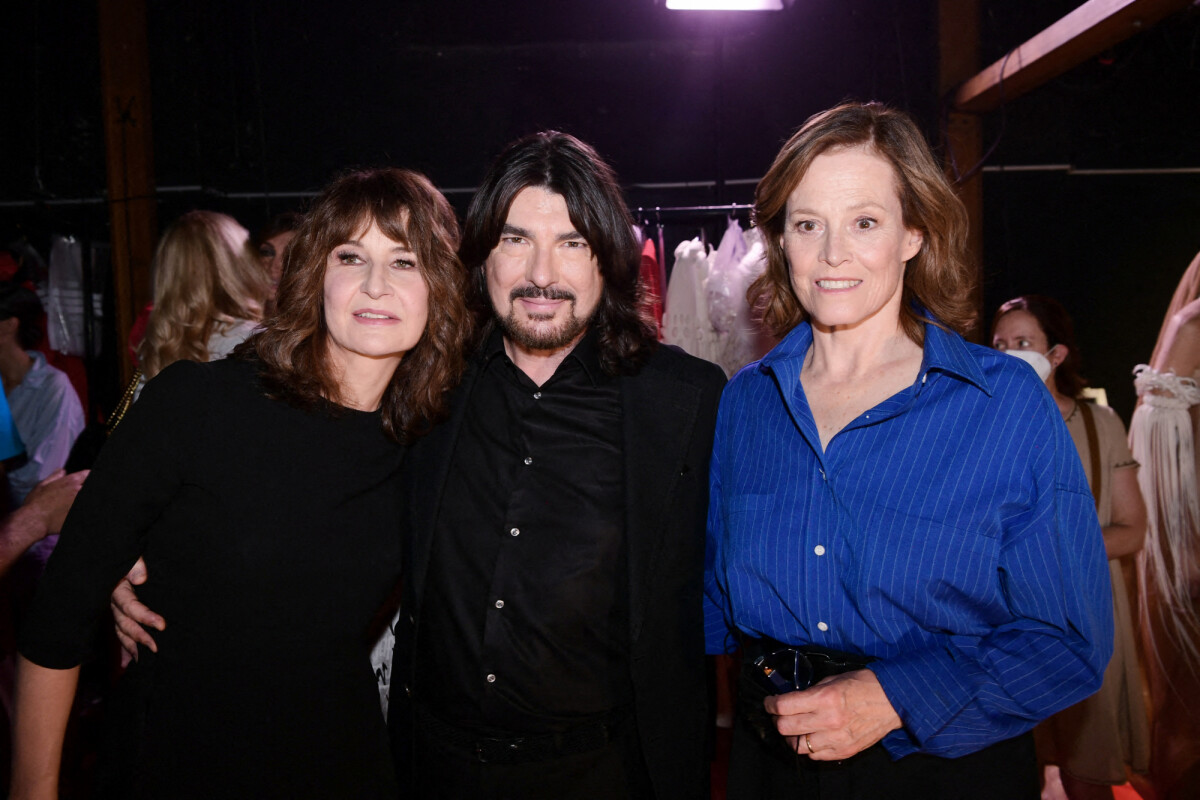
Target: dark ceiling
<point>273,97</point>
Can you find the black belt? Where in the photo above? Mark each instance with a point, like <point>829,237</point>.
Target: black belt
<point>521,749</point>
<point>779,667</point>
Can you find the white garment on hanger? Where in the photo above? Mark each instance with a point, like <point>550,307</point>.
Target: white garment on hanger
<point>63,298</point>
<point>686,322</point>
<point>722,263</point>
<point>742,338</point>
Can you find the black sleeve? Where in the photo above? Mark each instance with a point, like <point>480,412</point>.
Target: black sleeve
<point>135,477</point>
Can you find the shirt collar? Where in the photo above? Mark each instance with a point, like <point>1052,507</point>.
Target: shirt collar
<point>586,353</point>
<point>948,352</point>
<point>944,351</point>
<point>37,371</point>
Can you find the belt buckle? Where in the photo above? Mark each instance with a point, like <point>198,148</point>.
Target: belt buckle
<point>486,748</point>
<point>785,670</point>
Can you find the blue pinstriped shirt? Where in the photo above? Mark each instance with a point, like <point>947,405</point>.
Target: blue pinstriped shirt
<point>949,532</point>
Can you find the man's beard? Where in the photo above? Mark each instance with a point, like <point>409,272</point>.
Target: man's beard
<point>527,337</point>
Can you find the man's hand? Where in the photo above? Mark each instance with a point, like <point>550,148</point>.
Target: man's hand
<point>42,514</point>
<point>51,499</point>
<point>131,615</point>
<point>835,719</point>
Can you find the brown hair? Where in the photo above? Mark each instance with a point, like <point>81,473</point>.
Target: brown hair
<point>293,342</point>
<point>937,281</point>
<point>1056,323</point>
<point>205,276</point>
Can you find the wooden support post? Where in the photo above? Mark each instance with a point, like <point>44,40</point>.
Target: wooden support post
<point>1086,31</point>
<point>962,143</point>
<point>125,88</point>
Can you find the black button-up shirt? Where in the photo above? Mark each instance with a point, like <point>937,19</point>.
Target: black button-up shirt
<point>525,620</point>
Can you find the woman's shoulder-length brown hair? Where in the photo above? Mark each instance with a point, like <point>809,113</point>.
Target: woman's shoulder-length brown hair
<point>293,345</point>
<point>937,281</point>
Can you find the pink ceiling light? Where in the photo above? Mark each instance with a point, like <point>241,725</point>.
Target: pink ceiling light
<point>726,5</point>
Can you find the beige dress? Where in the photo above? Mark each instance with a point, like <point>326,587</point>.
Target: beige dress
<point>1094,740</point>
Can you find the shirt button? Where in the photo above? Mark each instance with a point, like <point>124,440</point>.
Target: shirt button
<point>822,626</point>
<point>491,678</point>
<point>819,549</point>
<point>537,395</point>
<point>515,532</point>
<point>528,460</point>
<point>499,604</point>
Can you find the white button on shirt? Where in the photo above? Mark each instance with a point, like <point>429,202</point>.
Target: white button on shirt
<point>819,549</point>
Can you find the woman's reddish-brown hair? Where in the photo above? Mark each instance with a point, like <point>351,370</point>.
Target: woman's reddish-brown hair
<point>937,280</point>
<point>293,343</point>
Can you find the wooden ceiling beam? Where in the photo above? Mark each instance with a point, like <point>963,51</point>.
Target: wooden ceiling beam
<point>1088,30</point>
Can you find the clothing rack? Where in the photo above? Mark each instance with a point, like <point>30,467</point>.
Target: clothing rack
<point>727,208</point>
<point>659,216</point>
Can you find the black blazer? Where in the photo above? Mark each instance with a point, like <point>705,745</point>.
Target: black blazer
<point>669,412</point>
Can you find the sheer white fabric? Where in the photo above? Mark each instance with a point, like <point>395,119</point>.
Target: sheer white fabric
<point>742,338</point>
<point>686,322</point>
<point>1161,438</point>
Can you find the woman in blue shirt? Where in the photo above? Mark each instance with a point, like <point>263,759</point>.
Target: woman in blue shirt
<point>897,516</point>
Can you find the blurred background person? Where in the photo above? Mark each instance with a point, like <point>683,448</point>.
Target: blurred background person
<point>42,514</point>
<point>271,241</point>
<point>262,490</point>
<point>1094,742</point>
<point>44,405</point>
<point>209,292</point>
<point>1163,435</point>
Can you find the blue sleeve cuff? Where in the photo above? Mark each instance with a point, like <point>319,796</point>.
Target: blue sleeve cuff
<point>928,689</point>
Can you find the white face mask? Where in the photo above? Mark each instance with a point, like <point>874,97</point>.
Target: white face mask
<point>1039,362</point>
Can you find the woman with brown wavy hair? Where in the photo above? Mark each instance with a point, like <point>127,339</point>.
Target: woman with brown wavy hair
<point>900,536</point>
<point>261,491</point>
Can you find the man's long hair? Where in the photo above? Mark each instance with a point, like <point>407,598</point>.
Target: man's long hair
<point>560,163</point>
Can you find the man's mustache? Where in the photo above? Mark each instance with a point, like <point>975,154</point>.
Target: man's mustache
<point>547,293</point>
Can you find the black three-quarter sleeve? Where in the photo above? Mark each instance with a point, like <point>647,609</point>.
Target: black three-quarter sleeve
<point>138,472</point>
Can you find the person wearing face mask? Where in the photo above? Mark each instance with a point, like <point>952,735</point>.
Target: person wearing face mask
<point>1092,742</point>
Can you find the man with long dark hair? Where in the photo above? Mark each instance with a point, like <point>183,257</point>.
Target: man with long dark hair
<point>550,639</point>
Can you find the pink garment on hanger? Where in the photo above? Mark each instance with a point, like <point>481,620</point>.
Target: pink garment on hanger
<point>651,277</point>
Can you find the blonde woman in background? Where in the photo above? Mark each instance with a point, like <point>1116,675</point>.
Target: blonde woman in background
<point>209,292</point>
